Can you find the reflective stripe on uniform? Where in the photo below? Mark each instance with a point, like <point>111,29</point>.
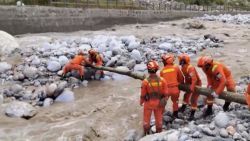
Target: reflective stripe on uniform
<point>168,70</point>
<point>210,101</point>
<point>154,84</point>
<point>214,67</point>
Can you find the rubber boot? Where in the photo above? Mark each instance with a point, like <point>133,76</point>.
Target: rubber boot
<point>183,108</point>
<point>146,132</point>
<point>226,106</point>
<point>81,78</point>
<point>62,77</point>
<point>209,111</point>
<point>175,114</point>
<point>191,117</point>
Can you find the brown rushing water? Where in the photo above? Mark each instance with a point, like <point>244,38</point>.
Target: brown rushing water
<point>105,110</point>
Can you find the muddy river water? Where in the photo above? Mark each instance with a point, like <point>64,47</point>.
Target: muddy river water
<point>106,110</point>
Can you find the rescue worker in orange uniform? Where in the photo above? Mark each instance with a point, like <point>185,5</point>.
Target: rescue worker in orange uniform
<point>173,76</point>
<point>153,97</point>
<point>247,95</point>
<point>75,64</point>
<point>191,78</point>
<point>218,77</point>
<point>95,58</point>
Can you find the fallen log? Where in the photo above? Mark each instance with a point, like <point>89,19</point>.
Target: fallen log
<point>228,96</point>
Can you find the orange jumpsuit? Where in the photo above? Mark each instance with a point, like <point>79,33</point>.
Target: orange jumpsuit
<point>247,95</point>
<point>75,64</point>
<point>173,76</point>
<point>152,91</point>
<point>219,77</point>
<point>192,78</point>
<point>97,59</point>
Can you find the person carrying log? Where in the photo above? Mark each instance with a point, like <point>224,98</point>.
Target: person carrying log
<point>153,97</point>
<point>191,78</point>
<point>77,63</point>
<point>247,96</point>
<point>96,59</point>
<point>173,76</point>
<point>218,77</point>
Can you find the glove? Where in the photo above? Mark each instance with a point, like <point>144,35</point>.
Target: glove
<point>214,95</point>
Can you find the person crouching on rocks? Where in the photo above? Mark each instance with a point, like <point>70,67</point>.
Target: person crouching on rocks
<point>77,63</point>
<point>173,76</point>
<point>153,97</point>
<point>191,78</point>
<point>247,96</point>
<point>96,59</point>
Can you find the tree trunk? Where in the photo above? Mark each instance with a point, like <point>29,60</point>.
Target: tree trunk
<point>228,96</point>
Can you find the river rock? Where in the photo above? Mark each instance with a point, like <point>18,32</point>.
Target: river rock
<point>50,89</point>
<point>237,136</point>
<point>35,61</point>
<point>4,66</point>
<point>53,66</point>
<point>196,134</point>
<point>61,86</point>
<point>63,60</point>
<point>241,128</point>
<point>1,99</point>
<point>170,135</point>
<point>133,45</point>
<point>223,133</point>
<point>7,43</point>
<point>140,67</point>
<point>136,55</point>
<point>85,47</point>
<point>231,130</point>
<point>31,72</point>
<point>183,137</point>
<point>20,109</point>
<point>208,132</point>
<point>130,64</point>
<point>166,46</point>
<point>18,76</point>
<point>221,120</point>
<point>66,96</point>
<point>245,135</point>
<point>47,102</point>
<point>131,135</point>
<point>112,62</point>
<point>16,88</point>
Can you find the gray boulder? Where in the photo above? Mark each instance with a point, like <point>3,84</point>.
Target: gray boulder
<point>4,66</point>
<point>53,66</point>
<point>131,64</point>
<point>208,132</point>
<point>140,67</point>
<point>136,55</point>
<point>47,102</point>
<point>20,109</point>
<point>221,120</point>
<point>31,72</point>
<point>66,96</point>
<point>63,60</point>
<point>223,133</point>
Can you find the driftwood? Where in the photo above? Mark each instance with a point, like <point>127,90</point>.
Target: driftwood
<point>228,96</point>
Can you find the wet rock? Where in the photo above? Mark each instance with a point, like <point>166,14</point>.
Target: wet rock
<point>183,138</point>
<point>63,60</point>
<point>231,130</point>
<point>208,132</point>
<point>237,136</point>
<point>136,55</point>
<point>47,102</point>
<point>131,135</point>
<point>4,66</point>
<point>50,89</point>
<point>193,25</point>
<point>170,135</point>
<point>20,109</point>
<point>31,72</point>
<point>223,133</point>
<point>196,134</point>
<point>1,99</point>
<point>221,120</point>
<point>241,128</point>
<point>66,96</point>
<point>140,67</point>
<point>53,66</point>
<point>18,76</point>
<point>131,64</point>
<point>16,88</point>
<point>166,46</point>
<point>61,86</point>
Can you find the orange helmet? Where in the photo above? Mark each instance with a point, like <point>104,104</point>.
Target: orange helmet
<point>167,58</point>
<point>152,66</point>
<point>200,62</point>
<point>184,59</point>
<point>92,52</point>
<point>208,60</point>
<point>80,52</point>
